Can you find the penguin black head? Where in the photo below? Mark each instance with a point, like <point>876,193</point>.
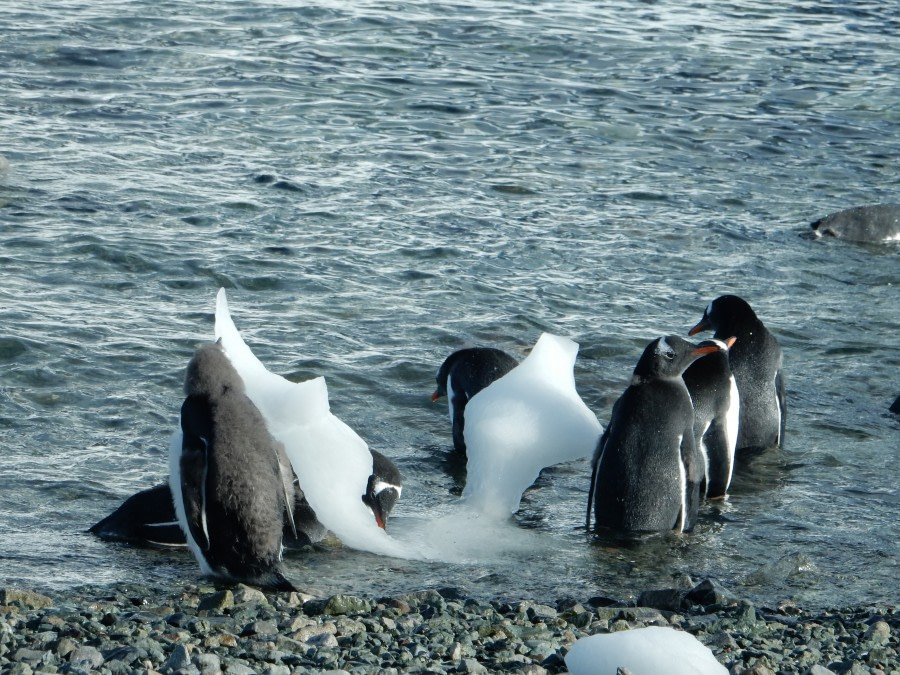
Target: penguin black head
<point>383,489</point>
<point>669,356</point>
<point>726,315</point>
<point>210,372</point>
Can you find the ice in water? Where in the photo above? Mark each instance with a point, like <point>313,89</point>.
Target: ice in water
<point>643,651</point>
<point>529,419</point>
<point>331,461</point>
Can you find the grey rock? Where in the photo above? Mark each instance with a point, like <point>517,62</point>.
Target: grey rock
<point>207,664</point>
<point>708,592</point>
<point>669,599</point>
<point>216,602</point>
<point>234,667</point>
<point>820,670</point>
<point>322,641</point>
<point>346,604</point>
<point>24,598</point>
<point>470,666</point>
<point>878,633</point>
<point>178,659</point>
<point>86,657</point>
<point>248,595</point>
<point>30,656</point>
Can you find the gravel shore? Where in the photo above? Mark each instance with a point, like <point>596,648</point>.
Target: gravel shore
<point>211,629</point>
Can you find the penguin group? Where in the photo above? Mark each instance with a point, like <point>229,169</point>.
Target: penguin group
<point>674,434</point>
<point>234,496</point>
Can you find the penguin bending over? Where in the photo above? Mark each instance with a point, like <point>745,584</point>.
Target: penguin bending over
<point>647,470</point>
<point>462,375</point>
<point>716,402</point>
<point>230,480</point>
<point>756,362</point>
<point>148,518</point>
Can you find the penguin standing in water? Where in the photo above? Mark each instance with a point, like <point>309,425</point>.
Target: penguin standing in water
<point>647,469</point>
<point>716,402</point>
<point>756,362</point>
<point>147,518</point>
<point>462,375</point>
<point>231,482</point>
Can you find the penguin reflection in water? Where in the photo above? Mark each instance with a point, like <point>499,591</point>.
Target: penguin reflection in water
<point>647,469</point>
<point>231,481</point>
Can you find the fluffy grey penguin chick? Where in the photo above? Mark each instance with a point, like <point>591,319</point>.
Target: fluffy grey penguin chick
<point>230,479</point>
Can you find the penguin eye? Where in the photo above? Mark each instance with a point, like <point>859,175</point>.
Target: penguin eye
<point>669,355</point>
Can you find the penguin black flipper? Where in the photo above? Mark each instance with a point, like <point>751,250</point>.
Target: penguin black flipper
<point>287,489</point>
<point>692,463</point>
<point>720,463</point>
<point>194,467</point>
<point>782,405</point>
<point>595,462</point>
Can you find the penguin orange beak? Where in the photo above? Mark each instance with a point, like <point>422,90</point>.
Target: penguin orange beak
<point>706,350</point>
<point>435,396</point>
<point>730,341</point>
<point>703,325</point>
<point>379,520</point>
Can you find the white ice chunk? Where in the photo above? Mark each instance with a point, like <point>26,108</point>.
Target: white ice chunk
<point>529,419</point>
<point>643,651</point>
<point>332,462</point>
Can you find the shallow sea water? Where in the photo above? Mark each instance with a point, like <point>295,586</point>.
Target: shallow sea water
<point>378,185</point>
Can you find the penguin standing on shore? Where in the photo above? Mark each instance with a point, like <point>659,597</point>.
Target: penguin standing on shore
<point>716,402</point>
<point>462,375</point>
<point>231,482</point>
<point>756,362</point>
<point>647,469</point>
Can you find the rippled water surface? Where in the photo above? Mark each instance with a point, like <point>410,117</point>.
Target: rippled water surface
<point>380,183</point>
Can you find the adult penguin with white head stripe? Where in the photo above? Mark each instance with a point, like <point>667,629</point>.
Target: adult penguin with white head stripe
<point>231,482</point>
<point>756,362</point>
<point>647,468</point>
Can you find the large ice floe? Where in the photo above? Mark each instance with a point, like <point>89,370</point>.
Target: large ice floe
<point>332,462</point>
<point>529,419</point>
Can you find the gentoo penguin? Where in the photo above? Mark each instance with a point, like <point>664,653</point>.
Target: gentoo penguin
<point>714,394</point>
<point>230,480</point>
<point>145,519</point>
<point>148,517</point>
<point>383,488</point>
<point>872,223</point>
<point>755,361</point>
<point>462,375</point>
<point>647,468</point>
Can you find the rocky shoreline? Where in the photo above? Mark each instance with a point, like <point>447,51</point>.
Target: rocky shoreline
<point>194,629</point>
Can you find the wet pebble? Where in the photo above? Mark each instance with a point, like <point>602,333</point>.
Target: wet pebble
<point>205,630</point>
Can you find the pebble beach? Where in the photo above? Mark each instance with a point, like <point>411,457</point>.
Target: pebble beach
<point>238,629</point>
